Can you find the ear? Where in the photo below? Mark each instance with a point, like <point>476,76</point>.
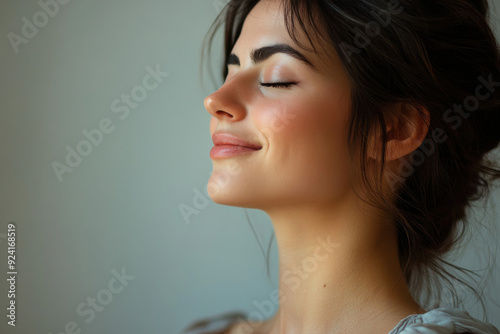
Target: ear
<point>406,128</point>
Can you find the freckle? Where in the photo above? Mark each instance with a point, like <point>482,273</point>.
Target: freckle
<point>324,285</point>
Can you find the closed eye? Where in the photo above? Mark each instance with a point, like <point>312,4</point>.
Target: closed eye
<point>278,84</point>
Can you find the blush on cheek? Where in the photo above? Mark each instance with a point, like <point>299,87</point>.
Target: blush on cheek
<point>278,118</point>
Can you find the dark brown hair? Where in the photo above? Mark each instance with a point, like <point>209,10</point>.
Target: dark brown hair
<point>436,55</point>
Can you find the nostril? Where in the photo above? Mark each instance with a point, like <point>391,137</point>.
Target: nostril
<point>221,112</point>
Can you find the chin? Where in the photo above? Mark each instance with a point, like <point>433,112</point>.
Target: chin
<point>231,195</point>
<point>226,197</point>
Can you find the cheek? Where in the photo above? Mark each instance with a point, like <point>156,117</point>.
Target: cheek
<point>304,130</point>
<point>307,145</point>
<point>277,120</point>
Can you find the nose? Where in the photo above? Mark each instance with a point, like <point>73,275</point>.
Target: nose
<point>226,103</point>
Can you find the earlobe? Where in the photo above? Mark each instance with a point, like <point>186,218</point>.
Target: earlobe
<point>406,129</point>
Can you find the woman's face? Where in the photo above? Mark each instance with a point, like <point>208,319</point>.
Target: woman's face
<point>301,128</point>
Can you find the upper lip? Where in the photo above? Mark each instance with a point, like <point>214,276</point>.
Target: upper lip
<point>225,138</point>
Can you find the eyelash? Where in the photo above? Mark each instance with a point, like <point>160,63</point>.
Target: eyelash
<point>278,84</point>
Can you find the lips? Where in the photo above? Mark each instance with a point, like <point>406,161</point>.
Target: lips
<point>228,145</point>
<point>225,138</point>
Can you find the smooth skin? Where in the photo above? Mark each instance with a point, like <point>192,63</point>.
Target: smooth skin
<point>302,178</point>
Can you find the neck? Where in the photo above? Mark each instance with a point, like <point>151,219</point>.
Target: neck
<point>339,271</point>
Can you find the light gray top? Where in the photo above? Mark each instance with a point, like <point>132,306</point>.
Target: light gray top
<point>443,321</point>
<point>437,321</point>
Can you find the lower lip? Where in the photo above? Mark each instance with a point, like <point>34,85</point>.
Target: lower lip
<point>226,151</point>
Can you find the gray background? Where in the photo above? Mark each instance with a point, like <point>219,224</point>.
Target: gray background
<point>119,208</point>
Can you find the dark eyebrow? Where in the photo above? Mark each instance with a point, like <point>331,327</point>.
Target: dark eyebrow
<point>263,53</point>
